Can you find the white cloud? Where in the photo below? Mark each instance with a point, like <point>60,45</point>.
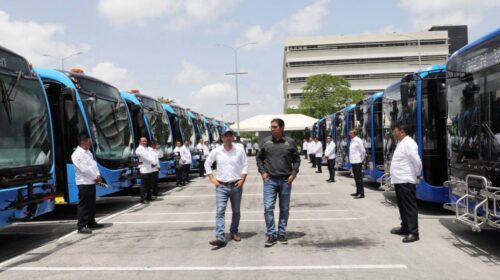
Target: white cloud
<point>211,99</point>
<point>426,13</point>
<point>180,14</point>
<point>119,77</point>
<point>307,20</point>
<point>191,74</point>
<point>32,40</point>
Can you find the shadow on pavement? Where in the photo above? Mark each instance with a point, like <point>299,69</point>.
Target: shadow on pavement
<point>349,243</point>
<point>483,245</point>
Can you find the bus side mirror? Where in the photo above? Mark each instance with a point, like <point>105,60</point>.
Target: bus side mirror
<point>68,92</point>
<point>404,90</point>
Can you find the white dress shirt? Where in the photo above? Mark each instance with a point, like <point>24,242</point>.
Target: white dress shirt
<point>203,148</point>
<point>357,150</point>
<point>256,146</point>
<point>185,155</point>
<point>86,170</point>
<point>146,159</point>
<point>406,164</point>
<point>230,164</point>
<point>330,150</point>
<point>157,153</point>
<point>310,147</point>
<point>304,145</point>
<point>249,146</point>
<point>318,149</point>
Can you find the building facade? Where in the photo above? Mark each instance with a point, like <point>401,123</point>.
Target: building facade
<point>369,62</point>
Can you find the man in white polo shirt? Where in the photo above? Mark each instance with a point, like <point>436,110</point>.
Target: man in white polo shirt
<point>232,166</point>
<point>330,157</point>
<point>406,166</point>
<point>86,176</point>
<point>357,153</point>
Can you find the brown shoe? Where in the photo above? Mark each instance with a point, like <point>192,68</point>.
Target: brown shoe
<point>217,242</point>
<point>236,237</point>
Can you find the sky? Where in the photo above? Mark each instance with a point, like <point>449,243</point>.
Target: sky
<point>171,48</point>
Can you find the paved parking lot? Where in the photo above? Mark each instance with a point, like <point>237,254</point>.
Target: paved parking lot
<point>331,236</point>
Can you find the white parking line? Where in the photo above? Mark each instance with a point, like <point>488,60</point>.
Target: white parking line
<point>229,212</point>
<point>241,221</point>
<point>209,268</point>
<point>244,194</point>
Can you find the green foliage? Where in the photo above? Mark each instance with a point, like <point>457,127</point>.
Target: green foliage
<point>325,94</point>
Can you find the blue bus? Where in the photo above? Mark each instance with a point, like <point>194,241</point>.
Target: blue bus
<point>83,105</point>
<point>150,120</point>
<point>345,120</point>
<point>371,131</point>
<point>214,130</point>
<point>174,121</point>
<point>473,89</point>
<point>419,101</point>
<point>188,131</point>
<point>27,177</point>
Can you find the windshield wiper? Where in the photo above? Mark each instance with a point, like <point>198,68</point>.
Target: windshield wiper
<point>6,95</point>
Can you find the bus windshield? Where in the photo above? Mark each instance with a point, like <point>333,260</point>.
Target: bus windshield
<point>108,121</point>
<point>25,127</point>
<point>185,125</point>
<point>159,123</point>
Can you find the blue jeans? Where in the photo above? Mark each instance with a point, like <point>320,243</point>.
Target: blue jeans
<point>272,188</point>
<point>223,194</point>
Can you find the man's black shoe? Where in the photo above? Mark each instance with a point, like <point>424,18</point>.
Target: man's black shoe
<point>96,225</point>
<point>411,238</point>
<point>329,181</point>
<point>271,240</point>
<point>217,243</point>
<point>399,231</point>
<point>144,201</point>
<point>354,194</point>
<point>319,172</point>
<point>282,239</point>
<point>84,230</point>
<point>359,196</point>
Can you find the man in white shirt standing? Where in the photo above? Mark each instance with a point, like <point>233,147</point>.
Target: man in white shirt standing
<point>86,175</point>
<point>304,148</point>
<point>155,149</point>
<point>249,148</point>
<point>406,167</point>
<point>186,160</point>
<point>311,148</point>
<point>147,165</point>
<point>178,164</point>
<point>318,153</point>
<point>203,150</point>
<point>357,153</point>
<point>330,157</point>
<point>232,166</point>
<point>256,147</point>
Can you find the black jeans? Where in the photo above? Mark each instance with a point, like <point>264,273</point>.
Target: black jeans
<point>407,204</point>
<point>357,170</point>
<point>178,174</point>
<point>312,158</point>
<point>331,169</point>
<point>305,154</point>
<point>185,172</point>
<point>155,178</point>
<point>146,185</point>
<point>201,167</point>
<point>86,205</point>
<point>319,160</point>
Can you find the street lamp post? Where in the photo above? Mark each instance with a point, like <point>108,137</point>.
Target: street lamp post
<point>63,58</point>
<point>236,73</point>
<point>418,47</point>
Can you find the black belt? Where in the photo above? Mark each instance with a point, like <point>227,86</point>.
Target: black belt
<point>227,183</point>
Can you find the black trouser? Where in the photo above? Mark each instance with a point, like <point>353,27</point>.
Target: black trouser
<point>178,173</point>
<point>312,158</point>
<point>331,168</point>
<point>256,152</point>
<point>201,167</point>
<point>155,178</point>
<point>305,154</point>
<point>407,204</point>
<point>86,205</point>
<point>319,160</point>
<point>146,185</point>
<point>358,177</point>
<point>185,172</point>
<point>249,153</point>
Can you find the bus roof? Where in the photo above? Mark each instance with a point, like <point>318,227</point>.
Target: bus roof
<point>130,97</point>
<point>168,108</point>
<point>471,46</point>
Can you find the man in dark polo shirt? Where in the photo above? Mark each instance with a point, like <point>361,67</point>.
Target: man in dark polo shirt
<point>278,163</point>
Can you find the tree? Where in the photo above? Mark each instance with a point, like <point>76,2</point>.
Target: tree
<point>325,94</point>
